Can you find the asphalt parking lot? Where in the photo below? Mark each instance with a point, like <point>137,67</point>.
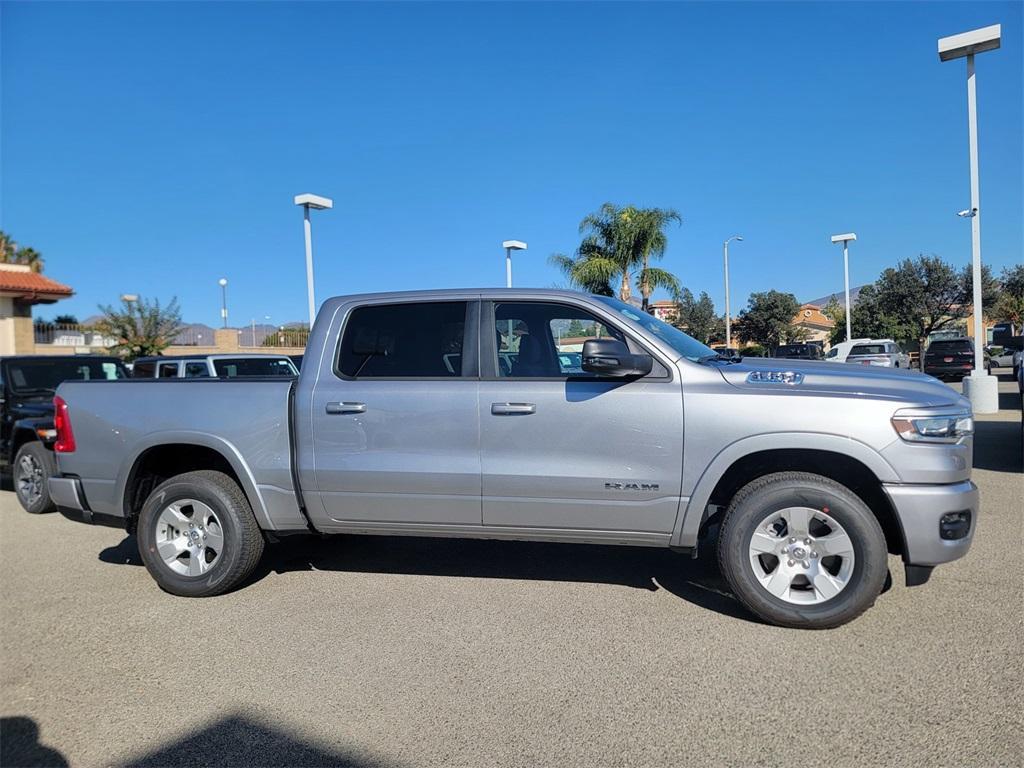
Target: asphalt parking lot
<point>410,652</point>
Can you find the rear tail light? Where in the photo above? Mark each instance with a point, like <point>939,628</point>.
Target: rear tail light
<point>62,423</point>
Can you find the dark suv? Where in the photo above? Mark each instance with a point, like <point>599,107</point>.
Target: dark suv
<point>800,352</point>
<point>952,358</point>
<point>27,435</point>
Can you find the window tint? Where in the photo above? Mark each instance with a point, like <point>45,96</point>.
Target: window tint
<point>540,340</point>
<point>143,370</point>
<point>404,340</point>
<point>168,370</point>
<point>196,370</point>
<point>955,345</point>
<point>868,349</point>
<point>834,352</point>
<point>232,367</point>
<point>43,375</point>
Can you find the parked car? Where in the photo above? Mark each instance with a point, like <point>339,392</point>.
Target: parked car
<point>1003,354</point>
<point>27,433</point>
<point>883,352</point>
<point>838,352</point>
<point>405,423</point>
<point>951,358</point>
<point>213,366</point>
<point>799,352</point>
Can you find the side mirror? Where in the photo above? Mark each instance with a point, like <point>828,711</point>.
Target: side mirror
<point>610,357</point>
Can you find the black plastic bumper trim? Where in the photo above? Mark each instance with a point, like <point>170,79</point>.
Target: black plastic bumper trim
<point>918,574</point>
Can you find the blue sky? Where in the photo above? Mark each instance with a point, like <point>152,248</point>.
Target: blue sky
<point>154,148</point>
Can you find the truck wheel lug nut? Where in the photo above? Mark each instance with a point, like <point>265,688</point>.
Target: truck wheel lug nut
<point>814,554</point>
<point>807,541</point>
<point>805,564</point>
<point>791,563</point>
<point>792,541</point>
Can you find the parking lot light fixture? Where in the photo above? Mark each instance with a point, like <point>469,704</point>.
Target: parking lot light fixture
<point>223,283</point>
<point>981,388</point>
<point>318,203</point>
<point>845,240</point>
<point>725,260</point>
<point>509,246</point>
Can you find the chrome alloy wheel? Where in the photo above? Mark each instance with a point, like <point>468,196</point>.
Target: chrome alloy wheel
<point>189,537</point>
<point>802,555</point>
<point>30,478</point>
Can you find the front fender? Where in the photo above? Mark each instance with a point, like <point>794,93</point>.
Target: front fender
<point>688,523</point>
<point>225,448</point>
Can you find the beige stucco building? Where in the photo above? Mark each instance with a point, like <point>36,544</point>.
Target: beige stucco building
<point>20,290</point>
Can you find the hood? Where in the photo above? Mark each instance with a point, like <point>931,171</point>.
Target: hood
<point>821,377</point>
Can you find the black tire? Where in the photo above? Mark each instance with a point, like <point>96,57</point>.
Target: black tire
<point>35,455</point>
<point>243,541</point>
<point>771,493</point>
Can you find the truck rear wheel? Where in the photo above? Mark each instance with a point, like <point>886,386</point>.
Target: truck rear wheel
<point>197,534</point>
<point>800,550</point>
<point>33,467</point>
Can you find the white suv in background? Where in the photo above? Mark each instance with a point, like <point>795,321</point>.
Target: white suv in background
<point>882,352</point>
<point>839,351</point>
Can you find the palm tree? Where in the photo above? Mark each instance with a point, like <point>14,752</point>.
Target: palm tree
<point>618,242</point>
<point>30,257</point>
<point>12,253</point>
<point>649,241</point>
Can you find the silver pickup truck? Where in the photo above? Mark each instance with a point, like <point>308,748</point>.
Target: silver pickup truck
<point>541,415</point>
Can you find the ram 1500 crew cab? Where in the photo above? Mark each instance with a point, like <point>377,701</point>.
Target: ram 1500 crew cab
<point>467,413</point>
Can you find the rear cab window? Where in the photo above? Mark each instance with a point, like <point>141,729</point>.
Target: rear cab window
<point>418,340</point>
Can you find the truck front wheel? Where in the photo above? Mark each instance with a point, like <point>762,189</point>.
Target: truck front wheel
<point>197,534</point>
<point>801,550</point>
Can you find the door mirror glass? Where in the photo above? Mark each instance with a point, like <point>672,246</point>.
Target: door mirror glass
<point>611,357</point>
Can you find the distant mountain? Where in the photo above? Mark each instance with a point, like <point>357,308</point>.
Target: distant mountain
<point>840,297</point>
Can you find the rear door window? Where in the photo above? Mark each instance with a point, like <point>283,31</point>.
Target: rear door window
<point>167,370</point>
<point>196,369</point>
<point>421,340</point>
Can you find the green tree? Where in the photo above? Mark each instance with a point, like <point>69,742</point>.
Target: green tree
<point>617,247</point>
<point>1009,306</point>
<point>66,320</point>
<point>575,329</point>
<point>12,253</point>
<point>141,327</point>
<point>768,319</point>
<point>697,316</point>
<point>920,296</point>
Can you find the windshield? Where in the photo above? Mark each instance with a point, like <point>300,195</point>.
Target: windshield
<point>687,346</point>
<point>231,367</point>
<point>793,350</point>
<point>43,375</point>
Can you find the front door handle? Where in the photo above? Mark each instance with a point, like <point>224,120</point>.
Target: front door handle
<point>335,408</point>
<point>513,409</point>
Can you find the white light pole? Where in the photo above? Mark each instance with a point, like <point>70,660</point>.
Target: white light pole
<point>316,202</point>
<point>725,260</point>
<point>982,389</point>
<point>223,283</point>
<point>845,240</point>
<point>509,246</point>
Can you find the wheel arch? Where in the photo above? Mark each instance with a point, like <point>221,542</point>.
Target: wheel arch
<point>850,463</point>
<point>165,455</point>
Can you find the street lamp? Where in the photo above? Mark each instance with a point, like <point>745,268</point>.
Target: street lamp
<point>980,387</point>
<point>509,246</point>
<point>845,240</point>
<point>725,260</point>
<point>318,203</point>
<point>223,283</point>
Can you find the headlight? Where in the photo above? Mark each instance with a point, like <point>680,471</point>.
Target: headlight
<point>920,426</point>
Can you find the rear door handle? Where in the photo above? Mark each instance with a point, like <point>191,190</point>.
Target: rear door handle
<point>335,408</point>
<point>513,409</point>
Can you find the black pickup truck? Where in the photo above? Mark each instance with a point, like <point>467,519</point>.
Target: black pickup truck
<point>27,433</point>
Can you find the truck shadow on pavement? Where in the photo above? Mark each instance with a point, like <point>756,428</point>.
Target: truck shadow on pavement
<point>997,445</point>
<point>695,581</point>
<point>233,740</point>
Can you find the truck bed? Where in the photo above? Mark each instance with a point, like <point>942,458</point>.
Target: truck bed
<point>246,420</point>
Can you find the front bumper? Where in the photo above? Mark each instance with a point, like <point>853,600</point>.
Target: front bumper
<point>919,509</point>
